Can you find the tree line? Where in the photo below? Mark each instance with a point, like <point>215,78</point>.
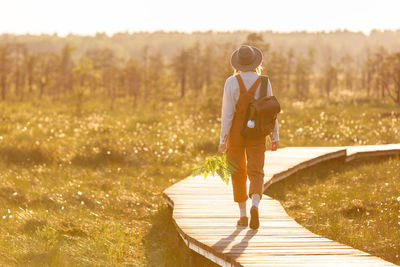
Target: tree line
<point>194,71</point>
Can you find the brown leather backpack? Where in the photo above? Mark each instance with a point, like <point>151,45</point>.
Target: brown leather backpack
<point>261,113</point>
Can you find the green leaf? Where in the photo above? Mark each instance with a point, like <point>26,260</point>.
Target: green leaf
<point>219,165</point>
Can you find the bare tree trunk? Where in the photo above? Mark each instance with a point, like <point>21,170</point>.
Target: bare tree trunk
<point>3,85</point>
<point>183,85</point>
<point>41,90</point>
<point>398,95</point>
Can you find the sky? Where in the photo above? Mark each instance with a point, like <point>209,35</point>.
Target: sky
<point>90,16</point>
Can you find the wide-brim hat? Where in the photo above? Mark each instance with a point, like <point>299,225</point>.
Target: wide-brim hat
<point>246,58</point>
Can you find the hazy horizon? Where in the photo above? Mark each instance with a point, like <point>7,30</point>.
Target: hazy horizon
<point>194,32</point>
<point>91,17</point>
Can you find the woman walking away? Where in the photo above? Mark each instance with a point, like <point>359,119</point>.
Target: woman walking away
<point>239,90</point>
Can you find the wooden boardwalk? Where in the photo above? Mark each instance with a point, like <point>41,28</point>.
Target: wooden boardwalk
<point>205,217</point>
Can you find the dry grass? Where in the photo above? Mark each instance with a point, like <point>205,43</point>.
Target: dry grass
<point>87,190</point>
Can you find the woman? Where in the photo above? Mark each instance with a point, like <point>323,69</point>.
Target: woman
<point>239,89</point>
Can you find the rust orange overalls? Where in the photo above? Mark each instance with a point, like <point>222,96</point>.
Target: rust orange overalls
<point>238,147</point>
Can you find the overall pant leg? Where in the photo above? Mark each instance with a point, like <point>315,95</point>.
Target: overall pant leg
<point>255,151</point>
<point>239,177</point>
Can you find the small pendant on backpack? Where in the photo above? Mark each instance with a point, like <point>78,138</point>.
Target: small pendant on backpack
<point>250,124</point>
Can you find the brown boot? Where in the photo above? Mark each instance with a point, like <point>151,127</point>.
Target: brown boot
<point>243,221</point>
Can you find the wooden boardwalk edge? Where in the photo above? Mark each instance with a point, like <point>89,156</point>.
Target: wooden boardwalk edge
<point>367,154</point>
<point>305,164</point>
<point>347,153</point>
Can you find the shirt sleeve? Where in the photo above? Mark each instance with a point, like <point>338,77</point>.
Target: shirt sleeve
<point>275,132</point>
<point>228,110</point>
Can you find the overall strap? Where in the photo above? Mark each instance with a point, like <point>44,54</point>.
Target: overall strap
<point>242,87</point>
<point>254,87</point>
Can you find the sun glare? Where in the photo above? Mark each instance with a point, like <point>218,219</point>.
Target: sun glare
<point>89,17</point>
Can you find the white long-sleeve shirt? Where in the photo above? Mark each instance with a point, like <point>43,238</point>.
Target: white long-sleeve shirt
<point>231,96</point>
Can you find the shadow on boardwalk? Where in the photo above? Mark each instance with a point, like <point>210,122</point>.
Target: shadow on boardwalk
<point>238,248</point>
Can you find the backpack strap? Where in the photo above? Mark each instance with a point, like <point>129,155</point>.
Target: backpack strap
<point>264,85</point>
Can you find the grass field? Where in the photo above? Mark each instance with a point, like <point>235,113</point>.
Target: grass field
<point>86,188</point>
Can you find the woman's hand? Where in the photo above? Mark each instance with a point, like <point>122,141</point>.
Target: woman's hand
<point>222,148</point>
<point>274,146</point>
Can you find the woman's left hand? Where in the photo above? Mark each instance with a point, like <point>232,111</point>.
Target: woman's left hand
<point>274,146</point>
<point>222,148</point>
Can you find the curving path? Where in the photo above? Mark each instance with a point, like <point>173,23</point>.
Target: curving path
<point>205,216</point>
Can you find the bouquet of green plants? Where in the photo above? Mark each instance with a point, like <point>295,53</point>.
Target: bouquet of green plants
<point>219,164</point>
